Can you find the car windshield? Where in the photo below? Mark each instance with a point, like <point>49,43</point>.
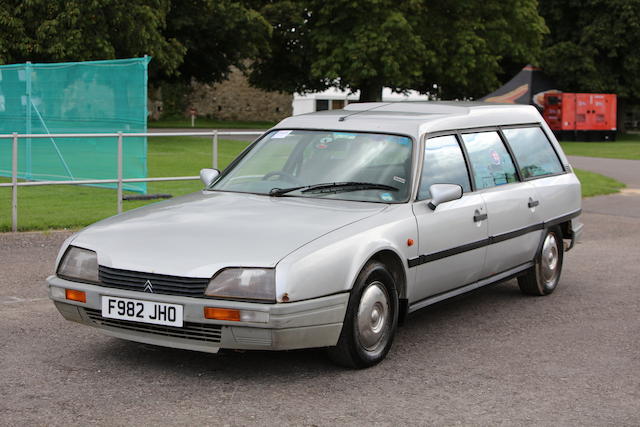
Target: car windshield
<point>311,163</point>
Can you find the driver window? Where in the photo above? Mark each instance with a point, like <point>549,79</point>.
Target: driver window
<point>443,164</point>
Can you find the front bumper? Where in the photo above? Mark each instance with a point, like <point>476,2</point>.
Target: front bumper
<point>304,324</point>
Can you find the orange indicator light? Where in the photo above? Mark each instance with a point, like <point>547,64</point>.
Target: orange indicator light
<point>222,314</point>
<point>74,295</point>
<point>410,242</point>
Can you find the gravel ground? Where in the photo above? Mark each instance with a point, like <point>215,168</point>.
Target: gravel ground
<point>494,357</point>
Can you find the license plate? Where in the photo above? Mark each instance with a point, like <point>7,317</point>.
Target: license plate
<point>157,313</point>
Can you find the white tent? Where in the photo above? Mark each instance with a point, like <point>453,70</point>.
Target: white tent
<point>335,99</point>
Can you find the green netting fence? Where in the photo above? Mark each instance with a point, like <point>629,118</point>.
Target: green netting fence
<point>75,97</point>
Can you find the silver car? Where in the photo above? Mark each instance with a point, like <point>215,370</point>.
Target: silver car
<point>329,229</point>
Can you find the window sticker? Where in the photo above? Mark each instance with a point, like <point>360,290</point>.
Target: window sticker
<point>400,140</point>
<point>345,135</point>
<point>399,179</point>
<point>281,134</point>
<point>495,158</point>
<point>386,197</point>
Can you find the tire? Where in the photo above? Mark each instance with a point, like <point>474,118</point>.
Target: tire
<point>543,277</point>
<point>371,319</point>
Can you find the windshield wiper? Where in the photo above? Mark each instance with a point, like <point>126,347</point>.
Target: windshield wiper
<point>332,187</point>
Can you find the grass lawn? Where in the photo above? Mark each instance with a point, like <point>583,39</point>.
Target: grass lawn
<point>594,184</point>
<point>627,146</point>
<point>68,206</point>
<point>203,123</point>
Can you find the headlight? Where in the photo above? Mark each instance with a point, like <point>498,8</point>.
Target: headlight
<point>244,283</point>
<point>80,265</point>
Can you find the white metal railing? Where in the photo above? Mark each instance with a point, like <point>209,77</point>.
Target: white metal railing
<point>14,184</point>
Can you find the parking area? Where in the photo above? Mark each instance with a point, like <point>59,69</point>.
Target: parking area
<point>495,357</point>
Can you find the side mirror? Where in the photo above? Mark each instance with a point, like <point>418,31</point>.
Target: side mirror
<point>442,193</point>
<point>207,176</point>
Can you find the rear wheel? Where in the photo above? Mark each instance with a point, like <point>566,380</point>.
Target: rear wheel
<point>543,278</point>
<point>371,319</point>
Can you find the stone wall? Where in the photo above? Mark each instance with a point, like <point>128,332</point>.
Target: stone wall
<point>234,99</point>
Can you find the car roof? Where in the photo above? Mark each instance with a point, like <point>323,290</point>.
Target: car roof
<point>414,118</point>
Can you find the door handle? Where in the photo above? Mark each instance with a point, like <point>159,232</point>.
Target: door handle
<point>533,203</point>
<point>477,216</point>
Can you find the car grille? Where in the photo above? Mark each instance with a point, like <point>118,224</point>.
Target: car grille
<point>161,284</point>
<point>190,331</point>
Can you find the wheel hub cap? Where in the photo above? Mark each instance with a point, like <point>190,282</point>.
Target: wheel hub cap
<point>549,260</point>
<point>373,315</point>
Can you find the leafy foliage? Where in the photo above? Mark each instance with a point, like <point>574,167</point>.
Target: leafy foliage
<point>186,38</point>
<point>57,30</point>
<point>216,34</point>
<point>593,44</point>
<point>286,65</point>
<point>364,45</point>
<point>472,40</point>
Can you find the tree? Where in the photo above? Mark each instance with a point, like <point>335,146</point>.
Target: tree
<point>217,34</point>
<point>364,45</point>
<point>592,46</point>
<point>77,30</point>
<point>475,41</point>
<point>186,38</point>
<point>286,65</point>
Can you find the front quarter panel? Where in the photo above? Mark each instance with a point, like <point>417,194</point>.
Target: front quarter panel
<point>331,264</point>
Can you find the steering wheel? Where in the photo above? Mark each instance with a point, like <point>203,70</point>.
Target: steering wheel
<point>283,174</point>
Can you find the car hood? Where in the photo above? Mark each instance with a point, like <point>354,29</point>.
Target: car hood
<point>198,234</point>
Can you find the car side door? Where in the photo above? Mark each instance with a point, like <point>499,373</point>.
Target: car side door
<point>513,227</point>
<point>452,238</point>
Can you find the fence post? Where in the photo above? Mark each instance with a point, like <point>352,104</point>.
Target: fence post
<point>215,149</point>
<point>14,183</point>
<point>119,172</point>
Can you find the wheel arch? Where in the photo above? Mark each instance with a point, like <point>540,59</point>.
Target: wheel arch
<point>565,229</point>
<point>399,273</point>
<point>530,282</point>
<point>561,226</point>
<point>396,267</point>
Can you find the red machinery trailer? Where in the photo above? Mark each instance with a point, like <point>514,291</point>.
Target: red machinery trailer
<point>581,116</point>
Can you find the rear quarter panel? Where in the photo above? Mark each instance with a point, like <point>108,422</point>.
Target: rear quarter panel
<point>558,195</point>
<point>561,194</point>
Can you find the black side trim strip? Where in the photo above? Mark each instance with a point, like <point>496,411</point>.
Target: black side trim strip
<point>413,262</point>
<point>453,251</point>
<point>423,259</point>
<point>563,218</point>
<point>516,233</point>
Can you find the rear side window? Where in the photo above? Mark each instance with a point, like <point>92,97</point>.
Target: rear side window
<point>490,160</point>
<point>533,151</point>
<point>443,164</point>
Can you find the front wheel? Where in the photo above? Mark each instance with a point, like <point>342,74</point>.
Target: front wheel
<point>543,278</point>
<point>371,319</point>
